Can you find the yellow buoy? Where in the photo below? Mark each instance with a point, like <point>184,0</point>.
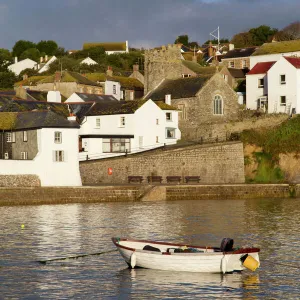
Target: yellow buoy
<point>251,263</point>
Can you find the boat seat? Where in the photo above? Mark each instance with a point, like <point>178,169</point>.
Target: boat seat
<point>150,248</point>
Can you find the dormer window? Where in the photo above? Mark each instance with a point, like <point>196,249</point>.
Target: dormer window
<point>282,79</point>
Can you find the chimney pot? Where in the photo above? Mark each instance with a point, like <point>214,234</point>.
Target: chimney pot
<point>16,59</point>
<point>41,59</point>
<point>168,99</point>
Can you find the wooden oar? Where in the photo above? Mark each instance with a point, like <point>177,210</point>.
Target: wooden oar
<point>74,256</point>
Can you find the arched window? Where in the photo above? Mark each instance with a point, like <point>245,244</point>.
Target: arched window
<point>218,105</point>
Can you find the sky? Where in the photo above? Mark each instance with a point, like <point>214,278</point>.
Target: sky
<point>144,23</point>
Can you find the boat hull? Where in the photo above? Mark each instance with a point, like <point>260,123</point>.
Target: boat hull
<point>206,262</point>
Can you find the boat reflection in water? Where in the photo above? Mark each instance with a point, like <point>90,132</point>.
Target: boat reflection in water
<point>170,284</point>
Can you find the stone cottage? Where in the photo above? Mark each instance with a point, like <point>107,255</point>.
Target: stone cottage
<point>204,102</point>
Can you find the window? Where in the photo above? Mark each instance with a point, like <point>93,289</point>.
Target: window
<point>58,155</point>
<point>282,79</point>
<point>122,122</point>
<point>169,116</point>
<point>25,138</point>
<point>182,112</point>
<point>170,134</point>
<point>231,64</point>
<point>11,137</point>
<point>218,105</point>
<point>244,64</point>
<point>24,155</point>
<point>114,89</point>
<point>57,137</point>
<point>157,121</point>
<point>6,156</point>
<point>157,139</point>
<point>116,145</point>
<point>283,100</point>
<point>97,122</point>
<point>186,75</point>
<point>260,82</point>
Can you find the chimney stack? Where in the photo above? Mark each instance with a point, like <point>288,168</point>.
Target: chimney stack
<point>54,96</point>
<point>57,76</point>
<point>16,59</point>
<point>136,68</point>
<point>41,59</point>
<point>109,71</point>
<point>231,47</point>
<point>72,117</point>
<point>46,58</point>
<point>168,99</point>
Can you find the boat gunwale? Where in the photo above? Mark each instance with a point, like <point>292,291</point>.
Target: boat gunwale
<point>238,251</point>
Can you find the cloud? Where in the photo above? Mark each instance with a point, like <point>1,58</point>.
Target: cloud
<point>155,22</point>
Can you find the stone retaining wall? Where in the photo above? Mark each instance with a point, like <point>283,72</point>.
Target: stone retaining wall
<point>19,180</point>
<point>216,164</point>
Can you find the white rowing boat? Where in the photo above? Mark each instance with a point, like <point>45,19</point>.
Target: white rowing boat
<point>180,257</point>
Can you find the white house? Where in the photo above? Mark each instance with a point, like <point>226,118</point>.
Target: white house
<point>45,63</point>
<point>275,86</point>
<point>19,66</point>
<point>284,86</point>
<point>113,128</point>
<point>257,85</point>
<point>88,61</point>
<point>40,143</point>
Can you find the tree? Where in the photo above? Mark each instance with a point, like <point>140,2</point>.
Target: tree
<point>215,41</point>
<point>28,72</point>
<point>31,53</point>
<point>48,47</point>
<point>60,51</point>
<point>5,59</point>
<point>7,80</point>
<point>262,34</point>
<point>192,45</point>
<point>290,32</point>
<point>21,46</point>
<point>182,39</point>
<point>64,63</point>
<point>243,39</point>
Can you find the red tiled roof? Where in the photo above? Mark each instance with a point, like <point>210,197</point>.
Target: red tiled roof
<point>261,68</point>
<point>295,61</point>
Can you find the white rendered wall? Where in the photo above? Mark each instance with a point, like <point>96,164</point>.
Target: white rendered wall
<point>108,88</point>
<point>50,173</point>
<point>74,98</point>
<point>48,63</point>
<point>253,92</point>
<point>18,67</point>
<point>276,89</point>
<point>270,57</point>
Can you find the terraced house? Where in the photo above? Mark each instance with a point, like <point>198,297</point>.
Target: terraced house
<point>40,143</point>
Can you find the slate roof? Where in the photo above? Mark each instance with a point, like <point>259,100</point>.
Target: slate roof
<point>68,76</point>
<point>261,68</point>
<point>197,68</point>
<point>237,73</point>
<point>8,104</point>
<point>40,96</point>
<point>179,88</point>
<point>239,52</point>
<point>34,120</point>
<point>114,46</point>
<point>295,61</point>
<point>278,47</point>
<point>95,97</point>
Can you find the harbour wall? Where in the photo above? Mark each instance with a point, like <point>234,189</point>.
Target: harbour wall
<point>100,194</point>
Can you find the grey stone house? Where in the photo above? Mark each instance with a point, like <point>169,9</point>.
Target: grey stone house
<point>238,58</point>
<point>204,102</point>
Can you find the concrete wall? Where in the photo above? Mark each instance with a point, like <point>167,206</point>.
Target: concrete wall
<point>219,163</point>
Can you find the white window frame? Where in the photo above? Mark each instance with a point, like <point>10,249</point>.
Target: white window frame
<point>171,130</point>
<point>122,121</point>
<point>280,78</point>
<point>244,63</point>
<point>169,119</point>
<point>10,137</point>
<point>282,103</point>
<point>59,156</point>
<point>231,64</point>
<point>98,123</point>
<point>57,137</point>
<point>24,155</point>
<point>25,136</point>
<point>218,109</point>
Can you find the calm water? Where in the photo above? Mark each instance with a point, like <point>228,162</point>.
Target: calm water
<point>61,230</point>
